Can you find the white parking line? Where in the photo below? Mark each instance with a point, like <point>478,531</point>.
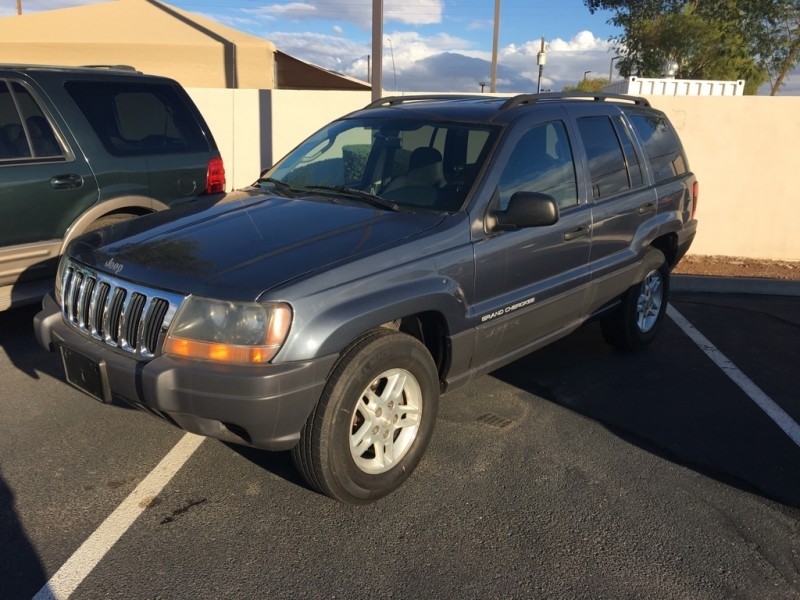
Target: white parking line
<point>764,402</point>
<point>80,564</point>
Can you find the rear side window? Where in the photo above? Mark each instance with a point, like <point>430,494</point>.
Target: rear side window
<point>661,145</point>
<point>606,160</point>
<point>634,168</point>
<point>25,133</point>
<point>132,118</point>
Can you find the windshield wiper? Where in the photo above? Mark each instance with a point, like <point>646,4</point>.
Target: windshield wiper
<point>370,199</point>
<point>281,185</point>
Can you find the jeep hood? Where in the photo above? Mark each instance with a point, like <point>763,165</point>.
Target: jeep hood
<point>244,245</point>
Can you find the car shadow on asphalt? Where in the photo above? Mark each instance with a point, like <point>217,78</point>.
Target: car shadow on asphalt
<point>21,569</point>
<point>18,341</point>
<point>279,464</point>
<point>670,401</point>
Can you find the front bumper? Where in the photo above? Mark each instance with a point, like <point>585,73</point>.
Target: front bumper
<point>264,407</point>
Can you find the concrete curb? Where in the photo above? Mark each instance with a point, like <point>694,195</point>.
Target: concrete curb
<point>734,285</point>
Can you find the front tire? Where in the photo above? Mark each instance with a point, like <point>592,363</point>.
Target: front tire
<point>636,322</point>
<point>374,420</point>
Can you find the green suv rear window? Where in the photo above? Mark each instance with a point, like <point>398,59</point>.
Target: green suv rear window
<point>133,119</point>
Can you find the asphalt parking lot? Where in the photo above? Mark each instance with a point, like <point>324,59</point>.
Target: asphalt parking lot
<point>576,472</point>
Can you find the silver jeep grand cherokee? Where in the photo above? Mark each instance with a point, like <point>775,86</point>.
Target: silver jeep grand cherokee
<point>397,254</point>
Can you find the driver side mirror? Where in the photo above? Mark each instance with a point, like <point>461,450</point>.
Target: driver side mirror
<point>527,209</point>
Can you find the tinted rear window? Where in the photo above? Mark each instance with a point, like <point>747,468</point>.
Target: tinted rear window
<point>661,145</point>
<point>132,118</point>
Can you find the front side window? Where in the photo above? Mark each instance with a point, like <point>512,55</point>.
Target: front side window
<point>661,146</point>
<point>606,160</point>
<point>541,162</point>
<point>413,163</point>
<point>132,118</point>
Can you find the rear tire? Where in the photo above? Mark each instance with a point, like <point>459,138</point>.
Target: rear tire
<point>374,420</point>
<point>636,322</point>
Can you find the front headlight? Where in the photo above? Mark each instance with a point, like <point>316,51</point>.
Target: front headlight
<point>245,333</point>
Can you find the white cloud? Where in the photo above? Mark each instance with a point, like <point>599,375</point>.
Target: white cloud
<point>446,63</point>
<point>338,30</point>
<point>409,12</point>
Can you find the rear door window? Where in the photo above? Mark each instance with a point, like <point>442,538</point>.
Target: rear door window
<point>661,145</point>
<point>606,159</point>
<point>138,118</point>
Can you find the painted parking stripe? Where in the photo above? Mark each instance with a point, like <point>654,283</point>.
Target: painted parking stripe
<point>756,394</point>
<point>80,564</point>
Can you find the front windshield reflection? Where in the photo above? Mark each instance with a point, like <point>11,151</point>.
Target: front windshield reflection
<point>407,163</point>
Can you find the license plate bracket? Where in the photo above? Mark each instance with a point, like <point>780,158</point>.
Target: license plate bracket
<point>86,374</point>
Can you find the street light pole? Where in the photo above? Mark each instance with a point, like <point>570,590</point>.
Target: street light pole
<point>585,73</point>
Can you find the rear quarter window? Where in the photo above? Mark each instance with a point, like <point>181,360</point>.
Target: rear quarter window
<point>132,118</point>
<point>661,145</point>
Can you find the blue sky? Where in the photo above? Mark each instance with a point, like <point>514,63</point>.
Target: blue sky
<point>437,45</point>
<point>429,45</point>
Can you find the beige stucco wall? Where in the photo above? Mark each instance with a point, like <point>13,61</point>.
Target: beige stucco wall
<point>255,128</point>
<point>743,150</point>
<point>298,113</point>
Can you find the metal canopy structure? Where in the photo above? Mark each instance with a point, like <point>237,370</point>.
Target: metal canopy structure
<point>157,38</point>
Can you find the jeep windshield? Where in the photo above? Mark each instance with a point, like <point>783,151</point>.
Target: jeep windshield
<point>392,164</point>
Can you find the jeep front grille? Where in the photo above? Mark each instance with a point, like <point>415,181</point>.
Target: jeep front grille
<point>117,312</point>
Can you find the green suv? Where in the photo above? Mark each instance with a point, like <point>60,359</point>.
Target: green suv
<point>84,147</point>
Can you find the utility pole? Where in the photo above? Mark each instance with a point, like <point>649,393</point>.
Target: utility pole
<point>493,76</point>
<point>541,59</point>
<point>19,7</point>
<point>377,48</point>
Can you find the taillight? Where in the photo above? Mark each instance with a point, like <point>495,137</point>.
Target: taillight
<point>695,194</point>
<point>215,179</point>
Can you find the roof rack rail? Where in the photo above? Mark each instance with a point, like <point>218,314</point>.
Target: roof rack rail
<point>127,68</point>
<point>597,97</point>
<point>393,100</point>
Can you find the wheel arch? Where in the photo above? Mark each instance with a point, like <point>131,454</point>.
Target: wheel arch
<point>429,328</point>
<point>428,309</point>
<point>668,244</point>
<point>137,205</point>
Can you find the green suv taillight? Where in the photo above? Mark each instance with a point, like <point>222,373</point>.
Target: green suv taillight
<point>215,179</point>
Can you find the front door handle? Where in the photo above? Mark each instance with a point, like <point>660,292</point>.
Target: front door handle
<point>68,181</point>
<point>576,233</point>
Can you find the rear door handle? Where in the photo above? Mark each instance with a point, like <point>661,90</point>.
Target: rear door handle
<point>68,181</point>
<point>576,233</point>
<point>647,208</point>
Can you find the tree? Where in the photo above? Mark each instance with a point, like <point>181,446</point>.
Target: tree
<point>702,48</point>
<point>721,39</point>
<point>588,85</point>
<point>774,27</point>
